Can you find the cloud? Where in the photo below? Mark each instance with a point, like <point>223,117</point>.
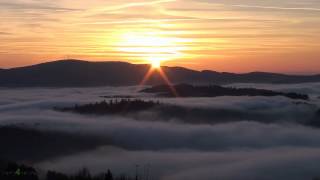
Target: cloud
<point>173,149</point>
<point>5,33</point>
<point>269,164</point>
<point>271,5</point>
<point>182,110</point>
<point>137,4</point>
<point>143,135</point>
<point>312,89</point>
<point>285,3</point>
<point>33,6</point>
<point>276,7</point>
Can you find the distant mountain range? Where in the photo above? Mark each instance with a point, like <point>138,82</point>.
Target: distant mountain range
<point>71,73</point>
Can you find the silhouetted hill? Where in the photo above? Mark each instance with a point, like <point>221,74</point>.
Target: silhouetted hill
<point>82,73</point>
<point>123,106</point>
<point>74,73</point>
<point>186,90</point>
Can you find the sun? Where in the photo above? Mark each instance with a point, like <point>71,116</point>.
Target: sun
<point>155,63</point>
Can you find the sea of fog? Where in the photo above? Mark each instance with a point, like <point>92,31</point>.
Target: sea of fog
<point>171,149</point>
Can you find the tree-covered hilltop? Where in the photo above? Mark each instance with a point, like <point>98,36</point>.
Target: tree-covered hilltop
<point>186,90</point>
<point>112,107</point>
<point>166,112</point>
<point>14,171</point>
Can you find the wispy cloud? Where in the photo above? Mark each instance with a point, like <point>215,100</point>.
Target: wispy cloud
<point>38,6</point>
<point>276,7</point>
<point>5,33</point>
<point>137,4</point>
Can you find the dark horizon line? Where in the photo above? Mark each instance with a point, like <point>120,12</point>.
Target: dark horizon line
<point>202,70</point>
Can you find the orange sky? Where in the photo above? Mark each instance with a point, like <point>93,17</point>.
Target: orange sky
<point>222,35</point>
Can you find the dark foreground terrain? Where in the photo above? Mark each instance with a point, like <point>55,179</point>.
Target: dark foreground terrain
<point>14,171</point>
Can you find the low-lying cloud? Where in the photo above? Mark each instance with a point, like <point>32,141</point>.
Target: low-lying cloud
<point>268,164</point>
<point>174,150</point>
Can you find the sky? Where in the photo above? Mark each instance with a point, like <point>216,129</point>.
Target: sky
<point>222,35</point>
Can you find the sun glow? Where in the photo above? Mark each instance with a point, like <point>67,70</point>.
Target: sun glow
<point>150,47</point>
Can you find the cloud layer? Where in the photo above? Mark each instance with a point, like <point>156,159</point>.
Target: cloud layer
<point>174,150</point>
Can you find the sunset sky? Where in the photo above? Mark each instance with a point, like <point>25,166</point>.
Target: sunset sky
<point>222,35</point>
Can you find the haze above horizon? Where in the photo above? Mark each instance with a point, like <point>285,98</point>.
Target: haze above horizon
<point>221,35</point>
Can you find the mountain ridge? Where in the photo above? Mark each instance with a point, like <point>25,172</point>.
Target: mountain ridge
<point>65,73</point>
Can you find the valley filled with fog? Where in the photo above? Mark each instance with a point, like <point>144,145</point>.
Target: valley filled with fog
<point>224,137</point>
